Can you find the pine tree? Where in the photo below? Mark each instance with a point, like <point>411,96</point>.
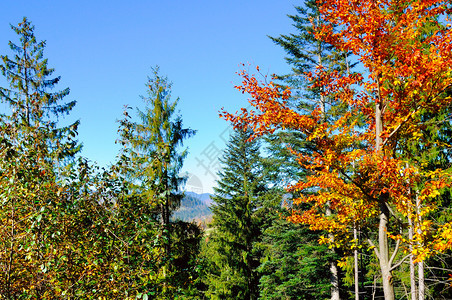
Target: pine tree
<point>35,109</point>
<point>361,172</point>
<point>305,54</point>
<point>232,263</point>
<point>155,160</point>
<point>155,154</point>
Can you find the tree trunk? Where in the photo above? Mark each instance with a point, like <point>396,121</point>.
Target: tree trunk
<point>334,274</point>
<point>334,281</point>
<point>410,238</point>
<point>385,263</point>
<point>412,269</point>
<point>420,264</point>
<point>165,210</point>
<point>355,237</point>
<point>421,280</point>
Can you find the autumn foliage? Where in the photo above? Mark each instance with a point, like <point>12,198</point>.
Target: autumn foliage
<point>363,165</point>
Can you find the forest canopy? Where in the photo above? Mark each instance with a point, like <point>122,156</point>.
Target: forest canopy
<point>335,182</point>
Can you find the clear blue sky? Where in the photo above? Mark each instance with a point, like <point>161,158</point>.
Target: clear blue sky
<point>103,51</point>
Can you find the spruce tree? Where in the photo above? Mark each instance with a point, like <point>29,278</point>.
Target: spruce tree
<point>155,144</point>
<point>231,260</point>
<point>35,107</point>
<point>153,160</point>
<point>305,53</point>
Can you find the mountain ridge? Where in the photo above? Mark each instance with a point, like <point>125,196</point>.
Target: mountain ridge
<point>195,208</point>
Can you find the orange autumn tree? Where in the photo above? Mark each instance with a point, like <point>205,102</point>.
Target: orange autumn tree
<point>363,172</point>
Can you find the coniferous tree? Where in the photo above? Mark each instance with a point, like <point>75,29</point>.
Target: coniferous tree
<point>153,162</point>
<point>35,108</point>
<point>294,265</point>
<point>154,148</point>
<point>304,56</point>
<point>402,187</point>
<point>231,259</point>
<point>305,53</point>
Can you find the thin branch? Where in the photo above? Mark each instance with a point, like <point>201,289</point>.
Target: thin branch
<point>409,116</point>
<point>395,252</point>
<point>400,125</point>
<point>399,263</point>
<point>374,247</point>
<point>442,269</point>
<point>356,184</point>
<point>393,214</point>
<point>439,93</point>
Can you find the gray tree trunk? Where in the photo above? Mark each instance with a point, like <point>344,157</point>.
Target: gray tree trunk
<point>420,270</point>
<point>334,274</point>
<point>383,245</point>
<point>355,237</point>
<point>412,267</point>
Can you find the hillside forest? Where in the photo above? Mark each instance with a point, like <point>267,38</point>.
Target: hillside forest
<point>335,183</point>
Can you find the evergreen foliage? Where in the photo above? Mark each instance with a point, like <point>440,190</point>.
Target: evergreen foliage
<point>360,178</point>
<point>32,207</point>
<point>294,265</point>
<point>154,146</point>
<point>305,54</point>
<point>30,96</point>
<point>231,261</point>
<point>150,162</point>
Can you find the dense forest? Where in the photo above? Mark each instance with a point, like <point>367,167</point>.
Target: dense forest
<point>335,183</point>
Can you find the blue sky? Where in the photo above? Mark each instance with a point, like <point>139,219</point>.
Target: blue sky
<point>104,51</point>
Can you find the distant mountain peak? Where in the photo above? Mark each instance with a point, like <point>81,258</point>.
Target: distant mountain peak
<point>206,198</point>
<point>194,208</point>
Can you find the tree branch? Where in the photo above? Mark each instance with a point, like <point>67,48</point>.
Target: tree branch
<point>356,184</point>
<point>393,214</point>
<point>374,247</point>
<point>400,125</point>
<point>395,252</point>
<point>399,263</point>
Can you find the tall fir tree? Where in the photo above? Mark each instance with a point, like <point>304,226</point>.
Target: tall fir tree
<point>35,108</point>
<point>305,53</point>
<point>155,144</point>
<point>400,89</point>
<point>154,160</point>
<point>231,260</point>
